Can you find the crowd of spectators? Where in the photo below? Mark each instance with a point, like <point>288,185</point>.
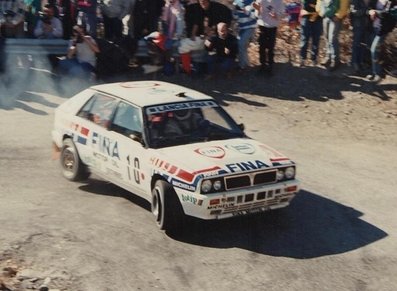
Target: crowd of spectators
<point>220,32</point>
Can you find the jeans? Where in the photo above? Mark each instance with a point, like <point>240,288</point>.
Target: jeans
<point>375,52</point>
<point>359,28</point>
<point>74,68</point>
<point>113,28</point>
<point>310,30</point>
<point>267,41</point>
<point>331,33</point>
<point>217,64</point>
<point>245,36</point>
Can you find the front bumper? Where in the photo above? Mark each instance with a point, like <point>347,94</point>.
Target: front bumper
<point>239,202</point>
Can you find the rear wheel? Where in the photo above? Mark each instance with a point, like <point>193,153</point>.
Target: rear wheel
<point>72,167</point>
<point>166,207</point>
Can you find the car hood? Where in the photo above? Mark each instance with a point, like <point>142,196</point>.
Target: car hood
<point>218,157</point>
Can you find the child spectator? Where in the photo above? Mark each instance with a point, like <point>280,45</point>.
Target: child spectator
<point>201,20</point>
<point>222,51</point>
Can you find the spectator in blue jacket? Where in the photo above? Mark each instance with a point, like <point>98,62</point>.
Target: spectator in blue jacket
<point>384,21</point>
<point>244,14</point>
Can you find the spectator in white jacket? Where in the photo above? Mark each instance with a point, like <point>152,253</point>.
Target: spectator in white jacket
<point>270,13</point>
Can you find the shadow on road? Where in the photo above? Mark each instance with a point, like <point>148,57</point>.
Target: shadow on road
<point>312,226</point>
<point>288,83</point>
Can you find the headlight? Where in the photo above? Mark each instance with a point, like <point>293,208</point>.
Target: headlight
<point>289,172</point>
<point>217,185</point>
<point>206,186</point>
<point>280,174</point>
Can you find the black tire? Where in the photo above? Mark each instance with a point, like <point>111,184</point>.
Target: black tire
<point>72,167</point>
<point>166,207</point>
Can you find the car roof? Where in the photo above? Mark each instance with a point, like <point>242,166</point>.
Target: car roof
<point>145,93</point>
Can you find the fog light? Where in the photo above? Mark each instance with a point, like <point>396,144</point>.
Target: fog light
<point>217,185</point>
<point>206,186</point>
<point>289,172</point>
<point>280,175</point>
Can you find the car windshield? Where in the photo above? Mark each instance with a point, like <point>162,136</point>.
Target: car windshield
<point>189,122</point>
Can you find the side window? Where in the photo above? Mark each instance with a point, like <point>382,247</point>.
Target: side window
<point>85,111</point>
<point>214,117</point>
<point>99,109</point>
<point>127,120</point>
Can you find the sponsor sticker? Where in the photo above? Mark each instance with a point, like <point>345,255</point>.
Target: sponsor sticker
<point>244,148</point>
<point>211,152</point>
<point>180,106</point>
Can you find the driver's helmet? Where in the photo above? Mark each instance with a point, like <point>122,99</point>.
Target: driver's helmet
<point>183,114</point>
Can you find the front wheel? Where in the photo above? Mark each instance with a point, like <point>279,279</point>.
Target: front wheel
<point>73,168</point>
<point>166,207</point>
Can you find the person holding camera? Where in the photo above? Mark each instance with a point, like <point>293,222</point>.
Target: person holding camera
<point>80,60</point>
<point>12,17</point>
<point>48,25</point>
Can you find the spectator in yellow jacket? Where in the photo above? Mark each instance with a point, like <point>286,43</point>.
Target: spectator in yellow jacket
<point>333,12</point>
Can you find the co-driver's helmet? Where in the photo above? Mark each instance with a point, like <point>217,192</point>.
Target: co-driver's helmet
<point>183,114</point>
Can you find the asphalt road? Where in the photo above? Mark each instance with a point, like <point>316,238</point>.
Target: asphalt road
<point>338,234</point>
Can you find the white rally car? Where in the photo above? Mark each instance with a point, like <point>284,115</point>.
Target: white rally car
<point>173,146</point>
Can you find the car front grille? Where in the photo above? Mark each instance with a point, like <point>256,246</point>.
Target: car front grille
<point>250,179</point>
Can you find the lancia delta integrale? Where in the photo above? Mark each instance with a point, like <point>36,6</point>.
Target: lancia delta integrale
<point>173,146</point>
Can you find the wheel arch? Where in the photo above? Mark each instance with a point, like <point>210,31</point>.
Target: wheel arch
<point>155,178</point>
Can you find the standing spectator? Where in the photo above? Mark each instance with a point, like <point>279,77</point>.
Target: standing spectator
<point>48,25</point>
<point>270,15</point>
<point>173,19</point>
<point>311,28</point>
<point>383,22</point>
<point>69,13</point>
<point>12,17</point>
<point>359,21</point>
<point>32,9</point>
<point>88,7</point>
<point>201,20</point>
<point>222,51</point>
<point>333,12</point>
<point>244,13</point>
<point>80,61</point>
<point>145,17</point>
<point>113,11</point>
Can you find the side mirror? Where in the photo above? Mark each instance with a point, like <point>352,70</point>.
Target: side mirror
<point>136,137</point>
<point>241,126</point>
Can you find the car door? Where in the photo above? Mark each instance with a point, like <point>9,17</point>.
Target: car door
<point>95,147</point>
<point>130,167</point>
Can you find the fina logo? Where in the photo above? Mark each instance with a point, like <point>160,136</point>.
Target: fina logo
<point>211,152</point>
<point>244,148</point>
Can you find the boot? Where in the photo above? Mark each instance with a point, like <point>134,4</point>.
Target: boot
<point>186,60</point>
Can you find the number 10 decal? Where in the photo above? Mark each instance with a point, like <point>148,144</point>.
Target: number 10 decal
<point>136,170</point>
